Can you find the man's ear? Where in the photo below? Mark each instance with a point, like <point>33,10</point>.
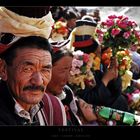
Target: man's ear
<point>3,70</point>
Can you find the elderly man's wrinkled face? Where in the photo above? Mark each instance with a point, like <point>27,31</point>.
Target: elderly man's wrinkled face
<point>29,75</point>
<point>60,75</point>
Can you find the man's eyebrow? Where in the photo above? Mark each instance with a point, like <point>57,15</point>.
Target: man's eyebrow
<point>28,63</point>
<point>48,66</point>
<point>31,63</point>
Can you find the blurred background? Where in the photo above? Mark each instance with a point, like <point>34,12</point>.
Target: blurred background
<point>132,12</point>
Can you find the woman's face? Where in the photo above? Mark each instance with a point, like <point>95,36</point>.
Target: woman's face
<point>71,23</point>
<point>87,111</point>
<point>60,74</point>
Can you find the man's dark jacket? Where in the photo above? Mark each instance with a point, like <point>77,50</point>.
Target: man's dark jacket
<point>7,115</point>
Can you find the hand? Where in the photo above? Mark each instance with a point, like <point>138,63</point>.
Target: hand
<point>112,72</point>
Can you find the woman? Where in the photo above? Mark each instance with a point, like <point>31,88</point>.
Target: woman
<point>108,89</point>
<point>62,60</point>
<point>85,113</point>
<point>101,115</point>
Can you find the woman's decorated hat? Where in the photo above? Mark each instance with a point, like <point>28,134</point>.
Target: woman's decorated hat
<point>83,34</point>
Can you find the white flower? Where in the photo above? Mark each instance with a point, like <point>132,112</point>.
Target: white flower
<point>136,97</point>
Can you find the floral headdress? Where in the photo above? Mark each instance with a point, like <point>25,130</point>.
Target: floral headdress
<point>118,33</point>
<point>60,27</point>
<point>81,73</point>
<point>133,95</point>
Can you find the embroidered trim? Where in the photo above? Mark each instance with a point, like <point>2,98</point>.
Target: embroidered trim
<point>63,111</point>
<point>51,109</point>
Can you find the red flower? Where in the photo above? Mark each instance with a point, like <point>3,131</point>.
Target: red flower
<point>109,23</point>
<point>115,31</point>
<point>112,16</point>
<point>126,35</point>
<point>122,24</point>
<point>85,57</point>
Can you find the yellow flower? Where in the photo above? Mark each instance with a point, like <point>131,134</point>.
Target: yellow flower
<point>126,79</point>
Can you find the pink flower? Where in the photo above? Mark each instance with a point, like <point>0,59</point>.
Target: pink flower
<point>137,91</point>
<point>109,23</point>
<point>133,47</point>
<point>112,16</point>
<point>79,71</point>
<point>122,24</point>
<point>126,35</point>
<point>129,98</point>
<point>100,38</point>
<point>120,17</point>
<point>103,23</point>
<point>85,57</point>
<point>121,29</point>
<point>99,31</point>
<point>129,23</point>
<point>77,63</point>
<point>125,19</point>
<point>115,31</point>
<point>134,24</point>
<point>137,33</point>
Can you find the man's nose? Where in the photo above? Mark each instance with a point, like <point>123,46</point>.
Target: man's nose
<point>37,78</point>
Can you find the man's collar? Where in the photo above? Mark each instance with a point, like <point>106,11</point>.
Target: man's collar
<point>20,111</point>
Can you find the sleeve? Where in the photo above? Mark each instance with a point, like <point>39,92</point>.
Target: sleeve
<point>100,94</point>
<point>115,87</point>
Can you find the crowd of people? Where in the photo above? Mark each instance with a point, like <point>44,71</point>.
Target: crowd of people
<point>42,81</point>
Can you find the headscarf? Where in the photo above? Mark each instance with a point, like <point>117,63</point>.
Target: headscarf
<point>23,26</point>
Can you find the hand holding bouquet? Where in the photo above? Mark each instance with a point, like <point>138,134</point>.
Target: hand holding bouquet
<point>123,57</point>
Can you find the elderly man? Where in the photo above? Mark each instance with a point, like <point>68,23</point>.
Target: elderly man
<point>25,71</point>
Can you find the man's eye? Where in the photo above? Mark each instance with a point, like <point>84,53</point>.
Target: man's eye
<point>27,69</point>
<point>46,70</point>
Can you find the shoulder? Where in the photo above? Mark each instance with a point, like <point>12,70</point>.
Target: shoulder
<point>48,98</point>
<point>53,105</point>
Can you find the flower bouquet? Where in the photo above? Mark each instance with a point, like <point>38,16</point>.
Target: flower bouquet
<point>124,61</point>
<point>60,27</point>
<point>123,57</point>
<point>81,73</point>
<point>134,99</point>
<point>59,31</point>
<point>118,33</point>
